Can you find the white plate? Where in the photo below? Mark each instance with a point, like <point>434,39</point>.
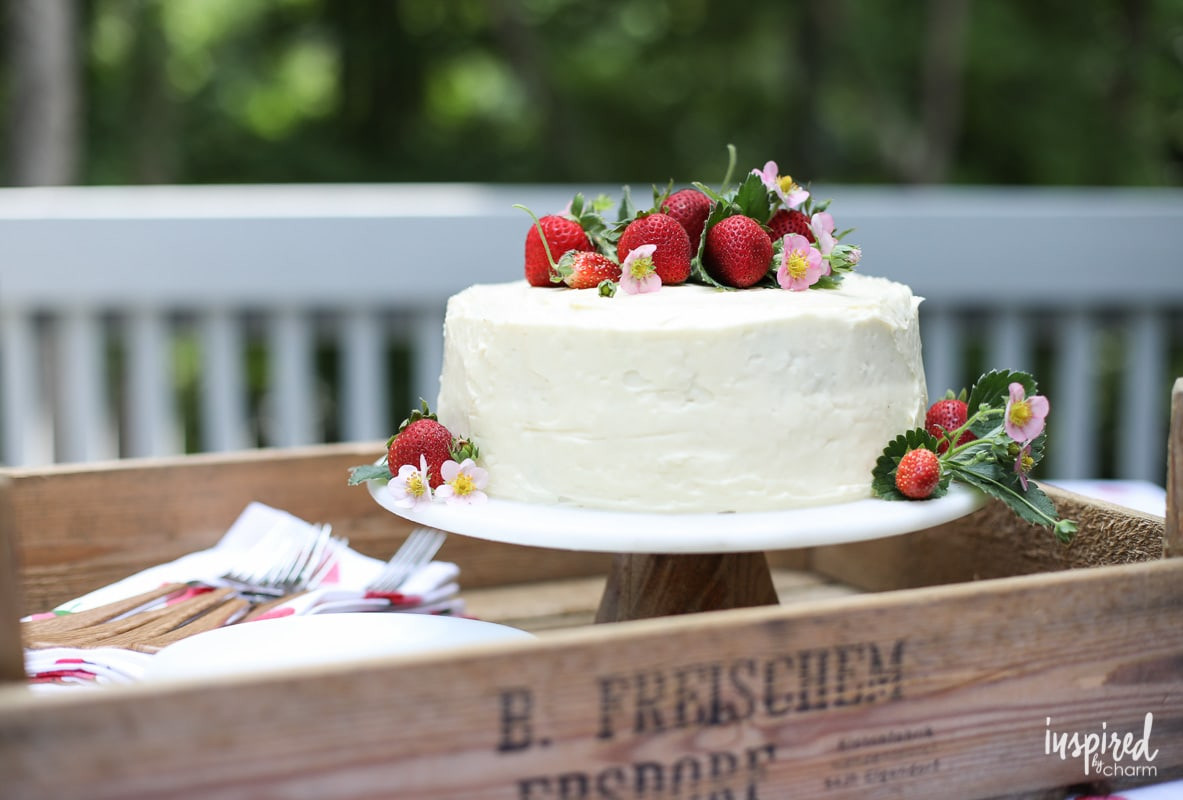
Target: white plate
<point>316,640</point>
<point>572,528</point>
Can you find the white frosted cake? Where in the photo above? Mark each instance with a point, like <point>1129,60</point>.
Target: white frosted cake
<point>687,399</point>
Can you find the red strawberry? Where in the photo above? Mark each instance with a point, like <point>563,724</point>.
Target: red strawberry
<point>562,234</point>
<point>918,473</point>
<point>946,416</point>
<point>671,259</point>
<point>586,270</point>
<point>420,435</point>
<point>690,208</point>
<point>738,251</point>
<point>789,220</point>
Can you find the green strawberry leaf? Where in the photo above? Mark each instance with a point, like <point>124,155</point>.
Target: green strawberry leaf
<point>831,281</point>
<point>720,210</point>
<point>993,389</point>
<point>1039,447</point>
<point>627,210</point>
<point>590,218</point>
<point>752,199</point>
<point>1031,505</point>
<point>601,204</point>
<point>423,412</point>
<point>883,475</point>
<point>369,472</point>
<point>577,206</point>
<point>661,195</point>
<point>711,193</point>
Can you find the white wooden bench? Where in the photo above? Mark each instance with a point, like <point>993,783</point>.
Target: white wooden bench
<point>102,288</point>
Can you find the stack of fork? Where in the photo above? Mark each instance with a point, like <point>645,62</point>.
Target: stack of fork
<point>291,569</point>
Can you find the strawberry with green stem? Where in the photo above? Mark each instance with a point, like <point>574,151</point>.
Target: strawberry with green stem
<point>947,419</point>
<point>737,251</point>
<point>918,474</point>
<point>580,228</point>
<point>1005,417</point>
<point>578,269</point>
<point>420,436</point>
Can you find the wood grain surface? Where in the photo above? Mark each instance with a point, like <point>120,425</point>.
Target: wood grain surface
<point>1174,530</point>
<point>938,692</point>
<point>993,543</point>
<point>644,585</point>
<point>12,666</point>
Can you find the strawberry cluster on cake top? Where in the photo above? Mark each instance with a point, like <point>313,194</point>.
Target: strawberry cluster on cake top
<point>765,231</point>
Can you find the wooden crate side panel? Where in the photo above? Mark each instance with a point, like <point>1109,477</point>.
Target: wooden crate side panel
<point>994,543</point>
<point>78,528</point>
<point>1174,533</point>
<point>12,666</point>
<point>951,691</point>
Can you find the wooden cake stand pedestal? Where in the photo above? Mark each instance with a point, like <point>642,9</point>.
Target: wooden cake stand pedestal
<point>643,585</point>
<point>668,564</point>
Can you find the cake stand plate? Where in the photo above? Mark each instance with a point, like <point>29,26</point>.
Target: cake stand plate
<point>570,528</point>
<point>669,564</point>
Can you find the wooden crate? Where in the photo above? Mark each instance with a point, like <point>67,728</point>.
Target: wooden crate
<point>940,664</point>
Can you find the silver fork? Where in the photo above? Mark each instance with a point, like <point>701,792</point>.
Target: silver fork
<point>380,594</point>
<point>280,564</point>
<point>418,549</point>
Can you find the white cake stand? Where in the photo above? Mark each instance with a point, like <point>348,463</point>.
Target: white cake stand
<point>683,563</point>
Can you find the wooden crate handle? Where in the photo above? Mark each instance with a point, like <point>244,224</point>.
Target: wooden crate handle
<point>1174,531</point>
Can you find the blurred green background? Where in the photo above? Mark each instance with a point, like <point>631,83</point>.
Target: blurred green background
<point>944,91</point>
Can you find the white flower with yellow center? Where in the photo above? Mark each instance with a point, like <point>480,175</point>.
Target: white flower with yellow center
<point>410,487</point>
<point>463,482</point>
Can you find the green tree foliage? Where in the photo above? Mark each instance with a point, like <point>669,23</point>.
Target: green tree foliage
<point>1004,91</point>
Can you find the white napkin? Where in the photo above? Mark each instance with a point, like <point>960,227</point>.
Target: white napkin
<point>432,589</point>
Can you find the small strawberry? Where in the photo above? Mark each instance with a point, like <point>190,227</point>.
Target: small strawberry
<point>738,251</point>
<point>790,220</point>
<point>946,416</point>
<point>671,259</point>
<point>690,208</point>
<point>586,270</point>
<point>420,435</point>
<point>918,473</point>
<point>562,234</point>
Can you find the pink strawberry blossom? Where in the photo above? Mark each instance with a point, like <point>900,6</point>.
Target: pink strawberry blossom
<point>410,487</point>
<point>769,176</point>
<point>801,264</point>
<point>785,187</point>
<point>637,273</point>
<point>1025,416</point>
<point>463,483</point>
<point>822,225</point>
